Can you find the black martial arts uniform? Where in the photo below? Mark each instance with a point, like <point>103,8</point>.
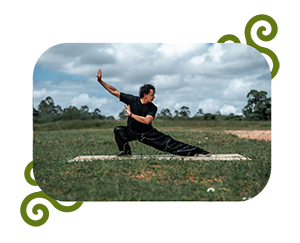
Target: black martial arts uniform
<point>146,133</point>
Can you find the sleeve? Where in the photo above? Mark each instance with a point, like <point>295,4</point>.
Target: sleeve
<point>126,98</point>
<point>152,111</point>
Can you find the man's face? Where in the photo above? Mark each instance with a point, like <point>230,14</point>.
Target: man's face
<point>150,96</point>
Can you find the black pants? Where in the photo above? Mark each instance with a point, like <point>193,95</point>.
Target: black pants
<point>153,138</point>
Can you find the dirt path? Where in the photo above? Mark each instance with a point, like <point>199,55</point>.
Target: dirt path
<point>253,134</point>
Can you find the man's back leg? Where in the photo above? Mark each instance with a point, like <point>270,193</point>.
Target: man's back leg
<point>166,143</point>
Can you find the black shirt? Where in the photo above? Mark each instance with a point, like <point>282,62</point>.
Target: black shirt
<point>139,109</point>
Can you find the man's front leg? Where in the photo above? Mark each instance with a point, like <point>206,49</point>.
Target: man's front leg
<point>127,149</point>
<point>122,141</point>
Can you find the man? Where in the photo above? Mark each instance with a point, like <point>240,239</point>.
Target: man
<point>141,112</point>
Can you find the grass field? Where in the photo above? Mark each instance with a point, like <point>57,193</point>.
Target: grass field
<point>149,179</point>
<point>159,124</point>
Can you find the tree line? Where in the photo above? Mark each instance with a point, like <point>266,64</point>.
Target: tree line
<point>258,108</point>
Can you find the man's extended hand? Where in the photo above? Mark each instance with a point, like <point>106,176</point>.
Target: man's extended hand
<point>99,75</point>
<point>127,108</point>
<point>108,87</point>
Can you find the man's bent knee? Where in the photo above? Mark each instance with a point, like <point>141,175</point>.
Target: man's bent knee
<point>117,129</point>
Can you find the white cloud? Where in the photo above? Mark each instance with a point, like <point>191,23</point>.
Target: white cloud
<point>166,82</point>
<point>171,49</point>
<point>60,96</point>
<point>237,88</point>
<point>198,59</point>
<point>40,93</point>
<point>91,102</point>
<point>145,60</point>
<point>210,105</point>
<point>216,52</point>
<point>212,77</point>
<point>227,109</point>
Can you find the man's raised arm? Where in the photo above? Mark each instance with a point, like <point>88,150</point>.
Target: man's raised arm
<point>108,87</point>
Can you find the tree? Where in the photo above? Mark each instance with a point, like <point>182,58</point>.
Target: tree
<point>57,110</point>
<point>71,113</point>
<point>199,112</point>
<point>258,107</point>
<point>84,113</point>
<point>184,112</point>
<point>122,114</point>
<point>232,117</point>
<point>209,117</point>
<point>96,114</point>
<point>46,110</point>
<point>164,114</point>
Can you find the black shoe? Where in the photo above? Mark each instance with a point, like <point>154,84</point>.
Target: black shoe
<point>203,152</point>
<point>124,154</point>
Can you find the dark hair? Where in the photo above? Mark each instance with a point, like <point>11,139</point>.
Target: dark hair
<point>145,89</point>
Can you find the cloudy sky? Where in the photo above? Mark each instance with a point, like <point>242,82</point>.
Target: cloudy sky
<point>213,77</point>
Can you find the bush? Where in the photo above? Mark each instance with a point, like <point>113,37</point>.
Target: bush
<point>209,117</point>
<point>234,118</point>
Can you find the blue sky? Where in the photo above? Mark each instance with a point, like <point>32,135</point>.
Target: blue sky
<point>43,74</point>
<point>213,77</point>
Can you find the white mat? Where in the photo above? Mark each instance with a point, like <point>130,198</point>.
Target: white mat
<point>168,157</point>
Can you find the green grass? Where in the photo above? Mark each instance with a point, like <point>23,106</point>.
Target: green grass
<point>166,124</point>
<point>148,179</point>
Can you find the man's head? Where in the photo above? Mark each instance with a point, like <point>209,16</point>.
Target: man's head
<point>147,92</point>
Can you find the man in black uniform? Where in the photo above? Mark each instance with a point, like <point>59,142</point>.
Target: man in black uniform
<point>141,112</point>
